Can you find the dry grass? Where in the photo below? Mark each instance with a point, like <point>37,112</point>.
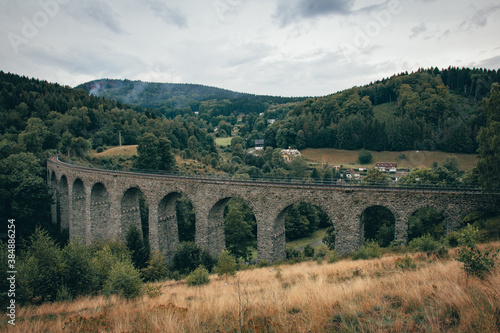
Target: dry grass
<point>365,296</point>
<point>349,158</point>
<point>117,151</point>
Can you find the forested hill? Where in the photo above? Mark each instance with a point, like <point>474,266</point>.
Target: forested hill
<point>173,98</point>
<point>155,95</point>
<point>427,110</point>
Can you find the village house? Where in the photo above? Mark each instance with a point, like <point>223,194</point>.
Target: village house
<point>386,166</point>
<point>289,154</point>
<point>399,174</point>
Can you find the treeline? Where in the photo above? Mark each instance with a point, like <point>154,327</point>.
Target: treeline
<point>404,112</point>
<point>173,99</point>
<point>38,119</point>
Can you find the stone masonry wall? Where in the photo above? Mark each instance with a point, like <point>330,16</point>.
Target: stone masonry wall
<point>102,203</point>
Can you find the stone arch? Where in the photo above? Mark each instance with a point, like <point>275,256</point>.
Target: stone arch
<point>168,233</point>
<point>279,232</point>
<point>64,212</point>
<point>447,218</point>
<point>78,220</point>
<point>130,208</point>
<point>216,241</point>
<point>363,222</point>
<point>100,215</point>
<point>55,199</point>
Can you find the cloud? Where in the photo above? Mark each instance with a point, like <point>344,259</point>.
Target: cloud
<point>168,14</point>
<point>289,11</point>
<point>86,61</point>
<point>91,12</point>
<point>417,30</point>
<point>479,18</point>
<point>492,63</point>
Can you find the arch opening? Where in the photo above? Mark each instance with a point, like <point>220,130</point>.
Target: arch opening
<point>240,228</point>
<point>63,206</point>
<point>426,221</point>
<point>378,224</point>
<point>78,219</point>
<point>305,224</point>
<point>134,211</point>
<point>176,223</point>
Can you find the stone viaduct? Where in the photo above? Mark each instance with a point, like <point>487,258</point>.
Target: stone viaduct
<point>99,204</point>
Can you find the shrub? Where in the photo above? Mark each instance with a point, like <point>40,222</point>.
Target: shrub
<point>333,257</point>
<point>41,267</point>
<point>152,291</point>
<point>263,263</point>
<point>226,265</point>
<point>100,149</point>
<point>424,243</point>
<point>198,277</point>
<point>79,272</point>
<point>405,263</point>
<point>105,257</point>
<point>321,252</point>
<point>476,262</point>
<point>369,250</point>
<point>329,238</point>
<point>124,280</point>
<point>292,253</point>
<point>139,248</point>
<point>156,268</point>
<point>365,157</point>
<point>308,251</point>
<point>189,256</point>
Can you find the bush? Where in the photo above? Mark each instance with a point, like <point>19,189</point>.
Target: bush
<point>369,250</point>
<point>189,256</point>
<point>405,263</point>
<point>329,238</point>
<point>124,280</point>
<point>476,262</point>
<point>321,252</point>
<point>105,257</point>
<point>333,257</point>
<point>425,243</point>
<point>292,253</point>
<point>365,157</point>
<point>41,267</point>
<point>139,248</point>
<point>308,251</point>
<point>79,273</point>
<point>156,268</point>
<point>226,265</point>
<point>100,149</point>
<point>198,277</point>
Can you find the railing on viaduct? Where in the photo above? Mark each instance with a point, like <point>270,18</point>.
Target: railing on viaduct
<point>97,203</point>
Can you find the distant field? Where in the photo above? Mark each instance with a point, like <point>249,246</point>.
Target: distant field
<point>413,159</point>
<point>316,236</point>
<point>223,141</point>
<point>123,150</point>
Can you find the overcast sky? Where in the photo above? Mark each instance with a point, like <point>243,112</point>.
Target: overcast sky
<point>273,47</point>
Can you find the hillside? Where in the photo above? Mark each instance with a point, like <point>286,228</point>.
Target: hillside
<point>166,96</point>
<point>155,95</point>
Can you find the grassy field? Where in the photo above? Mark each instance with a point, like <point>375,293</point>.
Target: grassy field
<point>223,141</point>
<point>379,295</point>
<point>117,151</point>
<point>316,236</point>
<point>413,158</point>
